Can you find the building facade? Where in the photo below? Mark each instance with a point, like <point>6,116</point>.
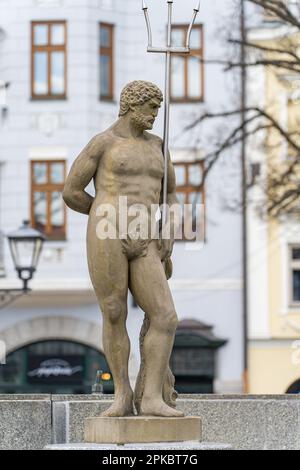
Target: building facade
<point>66,63</point>
<point>274,307</point>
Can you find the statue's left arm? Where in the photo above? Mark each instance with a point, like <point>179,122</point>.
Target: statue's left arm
<point>81,173</point>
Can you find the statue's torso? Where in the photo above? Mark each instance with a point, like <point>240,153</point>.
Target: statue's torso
<point>130,167</point>
<point>133,168</point>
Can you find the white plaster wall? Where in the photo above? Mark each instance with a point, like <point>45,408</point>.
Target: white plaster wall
<point>82,115</point>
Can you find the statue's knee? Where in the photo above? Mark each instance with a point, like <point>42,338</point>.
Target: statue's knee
<point>173,322</point>
<point>114,311</point>
<point>167,322</point>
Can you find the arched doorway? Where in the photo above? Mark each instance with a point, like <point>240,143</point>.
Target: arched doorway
<point>294,388</point>
<point>53,366</point>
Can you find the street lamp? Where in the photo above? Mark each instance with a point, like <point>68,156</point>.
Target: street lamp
<point>25,245</point>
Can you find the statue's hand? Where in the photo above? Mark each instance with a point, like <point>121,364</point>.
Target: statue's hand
<point>168,267</point>
<point>166,248</point>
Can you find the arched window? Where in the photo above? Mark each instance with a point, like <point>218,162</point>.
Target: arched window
<point>294,388</point>
<point>53,367</point>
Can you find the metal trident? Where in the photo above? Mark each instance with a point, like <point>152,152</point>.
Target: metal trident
<point>168,50</point>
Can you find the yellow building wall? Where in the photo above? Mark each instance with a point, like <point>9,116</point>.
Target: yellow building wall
<point>278,320</point>
<point>278,272</point>
<point>273,369</point>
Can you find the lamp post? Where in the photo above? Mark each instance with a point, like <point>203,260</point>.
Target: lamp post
<point>26,246</point>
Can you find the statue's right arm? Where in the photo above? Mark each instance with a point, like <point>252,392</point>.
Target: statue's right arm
<point>81,173</point>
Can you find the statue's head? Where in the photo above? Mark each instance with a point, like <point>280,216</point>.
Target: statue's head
<point>142,100</point>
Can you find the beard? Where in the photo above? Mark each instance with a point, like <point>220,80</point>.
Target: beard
<point>140,121</point>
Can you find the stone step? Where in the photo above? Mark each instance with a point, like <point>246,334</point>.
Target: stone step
<point>137,446</point>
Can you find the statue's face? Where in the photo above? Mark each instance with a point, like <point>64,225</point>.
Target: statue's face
<point>144,115</point>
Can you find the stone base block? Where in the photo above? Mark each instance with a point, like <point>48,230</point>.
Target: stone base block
<point>179,446</point>
<point>142,429</point>
<point>25,422</point>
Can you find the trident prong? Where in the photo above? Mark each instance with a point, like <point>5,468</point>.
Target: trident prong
<point>188,35</point>
<point>168,50</point>
<point>197,8</point>
<point>145,9</point>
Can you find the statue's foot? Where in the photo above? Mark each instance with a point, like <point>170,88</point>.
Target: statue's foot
<point>158,407</point>
<point>120,407</point>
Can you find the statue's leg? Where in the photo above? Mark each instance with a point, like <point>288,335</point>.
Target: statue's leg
<point>140,381</point>
<point>152,293</point>
<point>109,274</point>
<point>169,392</point>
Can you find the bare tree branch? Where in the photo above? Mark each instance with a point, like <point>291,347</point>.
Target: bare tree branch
<point>280,9</point>
<point>259,47</point>
<point>281,185</point>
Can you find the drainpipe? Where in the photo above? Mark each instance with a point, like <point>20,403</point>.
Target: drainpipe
<point>243,36</point>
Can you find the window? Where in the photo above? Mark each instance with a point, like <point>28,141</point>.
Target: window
<point>190,188</point>
<point>48,213</point>
<point>295,274</point>
<point>187,75</point>
<point>106,61</point>
<point>49,60</point>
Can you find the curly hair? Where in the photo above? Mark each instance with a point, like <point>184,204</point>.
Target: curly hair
<point>138,92</point>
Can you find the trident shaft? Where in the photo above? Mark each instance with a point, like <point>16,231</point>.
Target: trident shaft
<point>168,50</point>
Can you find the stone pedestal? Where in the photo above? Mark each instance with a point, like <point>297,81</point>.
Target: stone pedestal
<point>142,429</point>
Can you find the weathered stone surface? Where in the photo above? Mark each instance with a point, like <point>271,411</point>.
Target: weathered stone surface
<point>25,424</point>
<point>141,429</point>
<point>245,422</point>
<point>199,396</point>
<point>26,397</point>
<point>154,446</point>
<point>183,396</point>
<point>282,425</point>
<point>255,423</point>
<point>69,416</point>
<point>90,397</point>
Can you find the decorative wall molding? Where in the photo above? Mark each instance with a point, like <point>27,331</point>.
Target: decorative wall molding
<point>206,284</point>
<point>48,3</point>
<point>48,123</point>
<point>48,153</point>
<point>73,285</point>
<point>106,4</point>
<point>46,328</point>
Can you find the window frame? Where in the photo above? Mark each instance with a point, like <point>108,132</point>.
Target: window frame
<point>48,187</point>
<point>293,265</point>
<point>188,188</point>
<point>107,51</point>
<point>49,49</point>
<point>198,53</point>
